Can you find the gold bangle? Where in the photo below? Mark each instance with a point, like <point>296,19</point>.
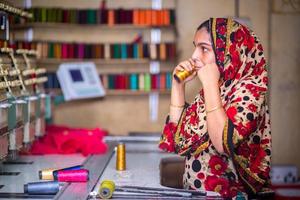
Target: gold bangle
<point>213,109</point>
<point>176,106</point>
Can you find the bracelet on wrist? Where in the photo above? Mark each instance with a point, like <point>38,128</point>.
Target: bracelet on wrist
<point>213,109</point>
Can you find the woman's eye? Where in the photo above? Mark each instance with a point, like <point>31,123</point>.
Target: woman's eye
<point>204,49</point>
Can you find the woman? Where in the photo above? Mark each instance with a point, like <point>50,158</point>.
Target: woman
<point>225,133</point>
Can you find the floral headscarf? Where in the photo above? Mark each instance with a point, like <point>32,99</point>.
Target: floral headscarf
<point>244,83</point>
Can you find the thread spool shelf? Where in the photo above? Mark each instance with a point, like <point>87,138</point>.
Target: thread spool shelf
<point>52,25</point>
<point>118,92</point>
<point>105,66</point>
<point>69,33</point>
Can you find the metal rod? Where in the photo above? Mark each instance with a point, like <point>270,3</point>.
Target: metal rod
<point>194,192</point>
<point>160,192</point>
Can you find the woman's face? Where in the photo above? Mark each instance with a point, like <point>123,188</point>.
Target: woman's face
<point>203,52</point>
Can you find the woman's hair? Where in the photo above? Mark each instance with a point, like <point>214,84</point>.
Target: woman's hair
<point>205,25</point>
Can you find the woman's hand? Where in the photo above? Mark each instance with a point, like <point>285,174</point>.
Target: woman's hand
<point>188,65</point>
<point>178,89</point>
<point>209,74</point>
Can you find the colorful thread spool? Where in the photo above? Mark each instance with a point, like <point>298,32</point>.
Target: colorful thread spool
<point>121,157</point>
<point>106,189</point>
<point>49,187</point>
<point>182,75</point>
<point>76,167</point>
<point>80,175</point>
<point>47,174</point>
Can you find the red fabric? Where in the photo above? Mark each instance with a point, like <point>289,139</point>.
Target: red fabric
<point>65,140</point>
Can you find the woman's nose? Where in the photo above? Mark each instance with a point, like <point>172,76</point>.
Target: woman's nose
<point>196,54</point>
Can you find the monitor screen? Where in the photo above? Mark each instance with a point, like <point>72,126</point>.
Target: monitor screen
<point>76,75</point>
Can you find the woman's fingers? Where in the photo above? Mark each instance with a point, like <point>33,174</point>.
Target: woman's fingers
<point>187,65</point>
<point>194,73</point>
<point>192,63</point>
<point>180,68</point>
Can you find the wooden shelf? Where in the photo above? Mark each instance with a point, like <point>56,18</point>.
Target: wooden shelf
<point>104,66</point>
<point>52,25</point>
<point>55,61</point>
<point>128,92</point>
<point>135,92</point>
